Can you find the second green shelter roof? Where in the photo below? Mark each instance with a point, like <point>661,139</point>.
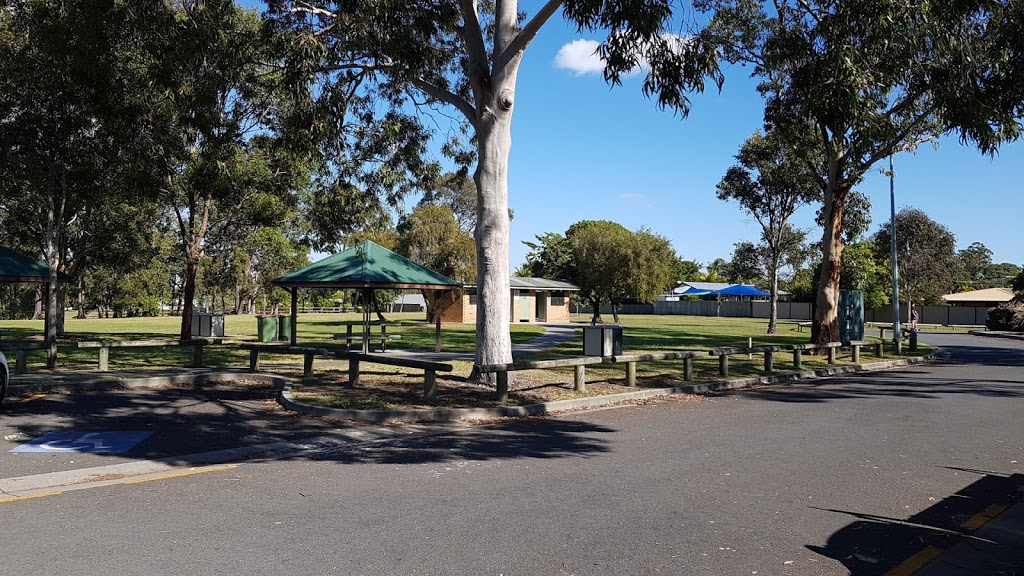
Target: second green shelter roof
<point>366,265</point>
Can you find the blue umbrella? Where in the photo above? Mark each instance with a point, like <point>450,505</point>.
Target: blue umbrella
<point>740,290</point>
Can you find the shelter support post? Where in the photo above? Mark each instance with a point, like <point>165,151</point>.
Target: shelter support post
<point>295,315</point>
<point>437,330</point>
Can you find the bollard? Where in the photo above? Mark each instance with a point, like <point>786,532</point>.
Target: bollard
<point>723,364</point>
<point>429,384</point>
<point>631,374</point>
<point>832,355</point>
<point>502,386</point>
<point>856,354</point>
<point>688,369</point>
<point>798,359</point>
<point>579,383</point>
<point>769,364</point>
<point>353,374</point>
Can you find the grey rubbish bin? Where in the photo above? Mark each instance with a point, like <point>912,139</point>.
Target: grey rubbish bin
<point>207,325</point>
<point>602,340</point>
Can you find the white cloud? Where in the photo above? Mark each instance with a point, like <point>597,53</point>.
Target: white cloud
<point>580,56</point>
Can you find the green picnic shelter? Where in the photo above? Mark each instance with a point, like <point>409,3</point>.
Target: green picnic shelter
<point>367,266</point>
<point>16,268</point>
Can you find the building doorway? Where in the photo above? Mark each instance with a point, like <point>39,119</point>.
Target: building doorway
<point>542,307</point>
<point>524,307</point>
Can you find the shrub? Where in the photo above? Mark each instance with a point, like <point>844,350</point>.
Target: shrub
<point>1008,317</point>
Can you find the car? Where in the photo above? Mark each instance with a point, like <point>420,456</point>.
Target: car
<point>5,375</point>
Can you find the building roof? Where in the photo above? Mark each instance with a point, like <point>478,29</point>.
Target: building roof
<point>15,267</point>
<point>526,283</point>
<point>986,295</point>
<point>539,284</point>
<point>366,265</point>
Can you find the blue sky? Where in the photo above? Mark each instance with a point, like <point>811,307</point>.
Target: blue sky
<point>582,150</point>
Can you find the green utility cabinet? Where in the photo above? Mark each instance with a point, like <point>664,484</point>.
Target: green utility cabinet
<point>851,316</point>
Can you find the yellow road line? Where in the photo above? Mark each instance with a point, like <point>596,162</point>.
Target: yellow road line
<point>31,398</point>
<point>180,474</point>
<point>986,515</point>
<point>17,498</point>
<point>916,562</point>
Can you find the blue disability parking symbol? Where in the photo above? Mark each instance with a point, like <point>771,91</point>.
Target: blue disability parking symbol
<point>84,442</point>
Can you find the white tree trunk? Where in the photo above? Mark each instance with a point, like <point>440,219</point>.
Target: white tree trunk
<point>826,313</point>
<point>494,142</point>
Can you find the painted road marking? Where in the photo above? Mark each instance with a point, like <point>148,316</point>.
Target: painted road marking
<point>984,517</point>
<point>18,498</point>
<point>84,442</point>
<point>916,562</point>
<point>31,398</point>
<point>181,474</point>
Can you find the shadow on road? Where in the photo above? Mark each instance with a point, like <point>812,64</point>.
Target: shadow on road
<point>873,544</point>
<point>188,421</point>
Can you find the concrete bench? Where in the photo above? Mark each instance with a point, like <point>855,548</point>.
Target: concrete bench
<point>104,346</point>
<point>724,353</point>
<point>578,364</point>
<point>21,350</point>
<point>630,361</point>
<point>305,351</point>
<point>430,369</point>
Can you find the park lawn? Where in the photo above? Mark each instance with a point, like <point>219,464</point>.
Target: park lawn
<point>312,329</point>
<point>393,387</point>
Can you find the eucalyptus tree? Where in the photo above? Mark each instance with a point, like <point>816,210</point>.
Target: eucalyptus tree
<point>925,255</point>
<point>217,115</point>
<point>770,183</point>
<point>68,111</point>
<point>849,83</point>
<point>432,236</point>
<point>464,55</point>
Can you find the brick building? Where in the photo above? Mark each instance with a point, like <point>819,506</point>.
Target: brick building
<point>534,300</point>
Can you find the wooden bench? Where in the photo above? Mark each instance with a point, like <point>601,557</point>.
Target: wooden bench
<point>579,373</point>
<point>856,345</point>
<point>105,346</point>
<point>799,349</point>
<point>381,338</point>
<point>630,360</point>
<point>801,325</point>
<point>307,352</point>
<point>21,350</point>
<point>724,353</point>
<point>430,369</point>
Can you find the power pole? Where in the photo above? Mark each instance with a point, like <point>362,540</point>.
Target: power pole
<point>896,333</point>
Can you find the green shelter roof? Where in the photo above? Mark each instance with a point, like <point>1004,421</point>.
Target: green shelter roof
<point>15,267</point>
<point>366,265</point>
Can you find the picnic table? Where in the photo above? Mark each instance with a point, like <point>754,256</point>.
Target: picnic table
<point>383,337</point>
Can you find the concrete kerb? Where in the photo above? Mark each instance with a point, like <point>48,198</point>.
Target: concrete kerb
<point>286,399</point>
<point>997,334</point>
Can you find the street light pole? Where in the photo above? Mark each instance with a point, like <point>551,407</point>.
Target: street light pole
<point>896,333</point>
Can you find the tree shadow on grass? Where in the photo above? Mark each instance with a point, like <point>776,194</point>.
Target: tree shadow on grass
<point>873,544</point>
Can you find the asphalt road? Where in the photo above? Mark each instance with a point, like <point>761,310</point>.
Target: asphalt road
<point>847,475</point>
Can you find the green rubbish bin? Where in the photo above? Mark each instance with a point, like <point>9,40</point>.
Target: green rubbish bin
<point>266,328</point>
<point>284,327</point>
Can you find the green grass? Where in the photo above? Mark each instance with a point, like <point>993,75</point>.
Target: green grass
<point>642,333</point>
<point>312,328</point>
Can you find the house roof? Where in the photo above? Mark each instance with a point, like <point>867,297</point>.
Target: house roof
<point>986,295</point>
<point>366,265</point>
<point>15,267</point>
